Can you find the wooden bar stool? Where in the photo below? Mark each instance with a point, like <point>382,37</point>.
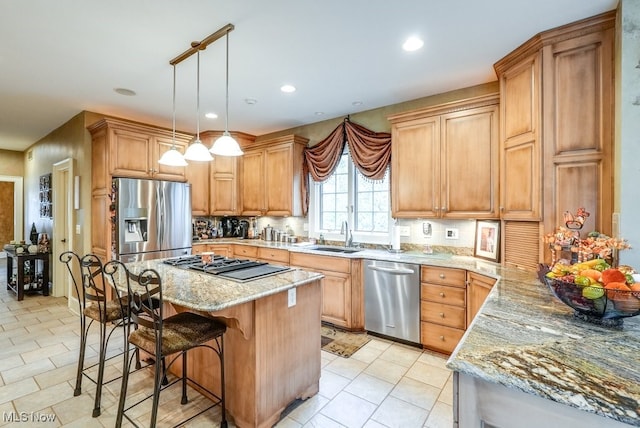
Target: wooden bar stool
<point>93,305</point>
<point>171,337</point>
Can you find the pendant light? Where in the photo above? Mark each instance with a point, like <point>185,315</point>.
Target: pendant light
<point>226,145</point>
<point>173,157</point>
<point>198,151</point>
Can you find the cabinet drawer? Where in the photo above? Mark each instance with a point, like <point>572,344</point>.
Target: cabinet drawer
<point>439,337</point>
<point>443,294</point>
<point>273,255</point>
<point>311,261</point>
<point>198,248</point>
<point>452,316</point>
<point>245,251</point>
<point>445,276</point>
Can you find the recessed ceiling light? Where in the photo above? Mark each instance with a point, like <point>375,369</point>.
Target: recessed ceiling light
<point>250,101</point>
<point>319,113</point>
<point>356,103</point>
<point>288,88</point>
<point>125,91</point>
<point>412,44</point>
<point>211,115</point>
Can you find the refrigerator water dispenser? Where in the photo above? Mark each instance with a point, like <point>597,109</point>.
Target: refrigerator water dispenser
<point>135,229</point>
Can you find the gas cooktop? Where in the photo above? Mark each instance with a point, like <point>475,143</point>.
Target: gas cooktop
<point>235,269</point>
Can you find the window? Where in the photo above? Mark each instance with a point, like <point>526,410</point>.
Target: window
<point>349,196</point>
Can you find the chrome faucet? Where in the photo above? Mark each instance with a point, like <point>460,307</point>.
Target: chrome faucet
<point>348,236</point>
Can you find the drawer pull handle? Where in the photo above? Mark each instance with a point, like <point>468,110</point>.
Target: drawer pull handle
<point>441,276</point>
<point>441,294</point>
<point>441,315</point>
<point>442,338</point>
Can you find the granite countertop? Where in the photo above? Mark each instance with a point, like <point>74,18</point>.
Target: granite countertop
<point>525,338</point>
<point>208,293</point>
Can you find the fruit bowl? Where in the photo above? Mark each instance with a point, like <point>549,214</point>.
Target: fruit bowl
<point>594,303</point>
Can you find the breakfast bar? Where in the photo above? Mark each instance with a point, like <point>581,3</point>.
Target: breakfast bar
<point>272,344</point>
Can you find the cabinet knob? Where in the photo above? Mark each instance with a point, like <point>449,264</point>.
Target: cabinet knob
<point>441,294</point>
<point>441,276</point>
<point>441,315</point>
<point>442,338</point>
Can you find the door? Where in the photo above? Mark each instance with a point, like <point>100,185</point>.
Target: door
<point>12,215</point>
<point>138,226</point>
<point>175,215</point>
<point>62,234</point>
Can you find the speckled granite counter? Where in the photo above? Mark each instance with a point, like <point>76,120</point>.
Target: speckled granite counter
<point>525,338</point>
<point>208,293</point>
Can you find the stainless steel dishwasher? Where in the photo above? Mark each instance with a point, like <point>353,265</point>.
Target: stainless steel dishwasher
<point>392,299</point>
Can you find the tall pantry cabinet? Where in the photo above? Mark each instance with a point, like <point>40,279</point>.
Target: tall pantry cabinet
<point>556,134</point>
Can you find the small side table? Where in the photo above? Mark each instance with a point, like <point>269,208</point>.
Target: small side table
<point>22,259</point>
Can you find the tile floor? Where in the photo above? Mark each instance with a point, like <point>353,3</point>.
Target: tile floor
<point>384,384</point>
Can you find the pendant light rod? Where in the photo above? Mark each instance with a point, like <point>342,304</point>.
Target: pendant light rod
<point>202,44</point>
<point>198,99</point>
<point>226,115</point>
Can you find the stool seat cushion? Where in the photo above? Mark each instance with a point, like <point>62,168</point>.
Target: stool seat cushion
<point>180,332</point>
<point>113,311</point>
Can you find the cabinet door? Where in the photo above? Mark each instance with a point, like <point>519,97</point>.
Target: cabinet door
<point>160,145</point>
<point>197,175</point>
<point>415,168</point>
<point>224,186</point>
<point>278,180</point>
<point>469,151</point>
<point>130,153</point>
<point>478,288</point>
<point>253,183</point>
<point>336,298</point>
<point>520,151</point>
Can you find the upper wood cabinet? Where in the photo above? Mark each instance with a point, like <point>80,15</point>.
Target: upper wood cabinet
<point>133,150</point>
<point>272,177</point>
<point>557,116</point>
<point>444,160</point>
<point>215,185</point>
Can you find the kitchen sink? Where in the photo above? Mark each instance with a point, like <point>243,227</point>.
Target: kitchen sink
<point>330,249</point>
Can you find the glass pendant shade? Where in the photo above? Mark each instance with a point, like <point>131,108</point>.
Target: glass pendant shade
<point>172,157</point>
<point>197,151</point>
<point>226,145</point>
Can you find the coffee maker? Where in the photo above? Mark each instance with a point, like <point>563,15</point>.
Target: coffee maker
<point>244,229</point>
<point>230,227</point>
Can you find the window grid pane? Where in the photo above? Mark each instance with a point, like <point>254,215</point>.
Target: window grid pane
<point>372,204</point>
<point>335,196</point>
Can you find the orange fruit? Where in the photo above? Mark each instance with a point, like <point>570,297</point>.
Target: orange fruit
<point>613,275</point>
<point>616,291</point>
<point>592,273</point>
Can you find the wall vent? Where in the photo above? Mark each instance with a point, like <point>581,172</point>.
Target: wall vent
<point>30,155</point>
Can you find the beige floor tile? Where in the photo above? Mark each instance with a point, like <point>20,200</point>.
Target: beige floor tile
<point>417,393</point>
<point>367,354</point>
<point>10,362</point>
<point>27,371</point>
<point>44,352</point>
<point>349,410</point>
<point>305,411</point>
<point>370,388</point>
<point>17,389</point>
<point>56,376</point>
<point>434,359</point>
<point>401,354</point>
<point>44,398</point>
<point>386,370</point>
<point>446,395</point>
<point>346,367</point>
<point>321,421</point>
<point>429,374</point>
<point>5,409</point>
<point>441,416</point>
<point>288,423</point>
<point>74,408</point>
<point>396,413</point>
<point>331,384</point>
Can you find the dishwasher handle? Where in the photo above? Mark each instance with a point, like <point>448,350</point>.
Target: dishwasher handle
<point>393,271</point>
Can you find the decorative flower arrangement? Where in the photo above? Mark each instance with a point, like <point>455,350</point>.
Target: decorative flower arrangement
<point>595,245</point>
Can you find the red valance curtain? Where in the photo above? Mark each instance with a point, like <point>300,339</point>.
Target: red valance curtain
<point>370,152</point>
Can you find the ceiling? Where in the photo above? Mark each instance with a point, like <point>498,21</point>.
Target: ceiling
<point>60,57</point>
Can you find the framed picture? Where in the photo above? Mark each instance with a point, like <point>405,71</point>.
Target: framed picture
<point>487,240</point>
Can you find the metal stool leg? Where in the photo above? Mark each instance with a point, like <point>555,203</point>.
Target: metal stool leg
<point>101,361</point>
<point>83,346</point>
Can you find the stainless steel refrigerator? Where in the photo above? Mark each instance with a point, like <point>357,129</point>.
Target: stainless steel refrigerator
<point>153,219</point>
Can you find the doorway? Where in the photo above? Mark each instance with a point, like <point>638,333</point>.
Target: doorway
<point>11,214</point>
<point>62,234</point>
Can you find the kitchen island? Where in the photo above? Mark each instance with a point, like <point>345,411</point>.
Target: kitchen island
<point>272,344</point>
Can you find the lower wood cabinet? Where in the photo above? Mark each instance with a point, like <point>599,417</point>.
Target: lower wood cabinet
<point>224,250</point>
<point>245,251</point>
<point>273,255</point>
<point>443,317</point>
<point>342,288</point>
<point>449,300</point>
